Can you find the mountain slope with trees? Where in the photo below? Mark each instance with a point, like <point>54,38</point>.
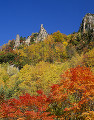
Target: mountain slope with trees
<point>52,79</point>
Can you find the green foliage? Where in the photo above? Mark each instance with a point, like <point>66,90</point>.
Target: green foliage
<point>22,39</point>
<point>33,38</point>
<point>8,77</point>
<point>7,57</point>
<point>81,41</point>
<point>42,51</point>
<point>11,44</point>
<point>57,47</point>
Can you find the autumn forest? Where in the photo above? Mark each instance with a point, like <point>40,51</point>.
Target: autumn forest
<point>52,79</point>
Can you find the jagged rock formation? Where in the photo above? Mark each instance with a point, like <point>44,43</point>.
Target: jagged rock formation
<point>87,23</point>
<point>18,42</point>
<point>42,34</point>
<point>40,37</point>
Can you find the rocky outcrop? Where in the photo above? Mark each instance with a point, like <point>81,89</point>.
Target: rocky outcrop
<point>42,34</point>
<point>17,41</point>
<point>28,40</point>
<point>40,37</point>
<point>87,23</point>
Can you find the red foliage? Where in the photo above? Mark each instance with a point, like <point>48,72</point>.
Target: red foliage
<point>40,92</point>
<point>77,81</point>
<point>30,107</point>
<point>80,79</point>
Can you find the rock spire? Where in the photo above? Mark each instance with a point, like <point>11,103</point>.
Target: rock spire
<point>42,34</point>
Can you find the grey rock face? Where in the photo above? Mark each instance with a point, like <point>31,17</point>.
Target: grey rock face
<point>17,41</point>
<point>42,34</point>
<point>88,23</point>
<point>28,40</point>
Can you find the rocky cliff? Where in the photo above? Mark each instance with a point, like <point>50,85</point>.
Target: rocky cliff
<point>87,23</point>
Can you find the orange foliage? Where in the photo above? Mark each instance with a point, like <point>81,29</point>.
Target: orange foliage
<point>71,98</point>
<point>26,107</point>
<point>77,83</point>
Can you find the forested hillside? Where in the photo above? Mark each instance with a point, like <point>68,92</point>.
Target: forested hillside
<point>52,79</point>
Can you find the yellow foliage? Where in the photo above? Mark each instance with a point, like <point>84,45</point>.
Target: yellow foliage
<point>4,77</point>
<point>89,58</point>
<point>65,43</point>
<point>41,76</point>
<point>88,115</point>
<point>76,60</point>
<point>59,37</point>
<point>49,40</point>
<point>53,48</point>
<point>20,52</point>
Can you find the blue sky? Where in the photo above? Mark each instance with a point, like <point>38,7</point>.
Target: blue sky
<point>24,17</point>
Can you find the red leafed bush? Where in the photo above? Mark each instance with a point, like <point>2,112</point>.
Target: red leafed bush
<point>26,108</point>
<point>75,93</point>
<point>67,100</point>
